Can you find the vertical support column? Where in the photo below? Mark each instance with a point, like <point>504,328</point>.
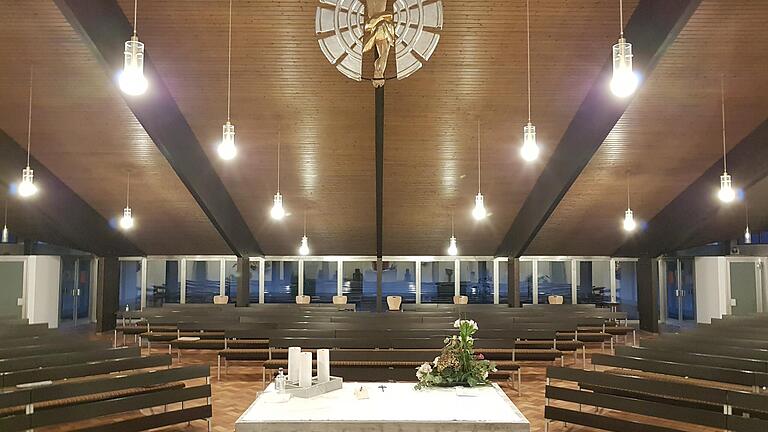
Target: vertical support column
<point>648,293</point>
<point>339,277</point>
<point>575,269</point>
<point>144,272</point>
<point>243,282</point>
<point>262,279</point>
<point>495,281</point>
<point>379,126</point>
<point>222,276</point>
<point>301,277</point>
<point>513,282</point>
<point>108,292</point>
<point>417,281</point>
<point>535,279</point>
<point>456,277</point>
<point>183,281</point>
<point>612,280</point>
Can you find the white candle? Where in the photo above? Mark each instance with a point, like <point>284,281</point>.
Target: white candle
<point>305,374</point>
<point>323,366</point>
<point>294,360</point>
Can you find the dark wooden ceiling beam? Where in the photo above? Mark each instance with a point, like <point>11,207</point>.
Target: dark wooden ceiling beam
<point>57,214</point>
<point>653,26</point>
<point>104,28</point>
<point>679,225</point>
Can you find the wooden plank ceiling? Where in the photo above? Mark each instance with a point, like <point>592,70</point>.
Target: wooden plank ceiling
<point>83,132</point>
<point>671,133</point>
<point>281,78</point>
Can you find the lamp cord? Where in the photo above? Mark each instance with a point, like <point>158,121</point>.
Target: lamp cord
<point>29,122</point>
<point>305,222</point>
<point>135,10</point>
<point>621,17</point>
<point>278,159</point>
<point>528,42</point>
<point>128,191</point>
<point>452,233</point>
<point>722,113</point>
<point>478,155</point>
<point>229,62</point>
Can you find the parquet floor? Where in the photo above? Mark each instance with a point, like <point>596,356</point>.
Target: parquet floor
<point>240,386</point>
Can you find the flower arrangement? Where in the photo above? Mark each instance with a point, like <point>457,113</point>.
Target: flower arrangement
<point>457,364</point>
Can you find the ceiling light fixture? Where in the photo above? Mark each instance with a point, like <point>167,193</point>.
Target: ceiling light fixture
<point>27,187</point>
<point>5,236</point>
<point>278,212</point>
<point>530,149</point>
<point>304,247</point>
<point>453,250</point>
<point>624,81</point>
<point>629,217</point>
<point>126,222</point>
<point>479,211</point>
<point>726,193</point>
<point>747,233</point>
<point>227,149</point>
<point>132,81</point>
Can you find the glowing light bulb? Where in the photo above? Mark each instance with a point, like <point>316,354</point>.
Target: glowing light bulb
<point>5,236</point>
<point>479,211</point>
<point>278,212</point>
<point>726,193</point>
<point>629,221</point>
<point>624,81</point>
<point>530,150</point>
<point>27,186</point>
<point>227,149</point>
<point>132,80</point>
<point>453,250</point>
<point>304,248</point>
<point>126,222</point>
<point>747,236</point>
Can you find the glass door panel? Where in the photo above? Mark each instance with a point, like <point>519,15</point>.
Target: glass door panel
<point>83,291</point>
<point>670,278</point>
<point>12,277</point>
<point>67,289</point>
<point>687,290</point>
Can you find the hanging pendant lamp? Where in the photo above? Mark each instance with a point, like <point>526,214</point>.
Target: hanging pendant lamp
<point>304,246</point>
<point>726,193</point>
<point>132,81</point>
<point>126,222</point>
<point>227,149</point>
<point>5,236</point>
<point>747,233</point>
<point>278,212</point>
<point>453,249</point>
<point>530,149</point>
<point>629,217</point>
<point>27,187</point>
<point>624,81</point>
<point>479,212</point>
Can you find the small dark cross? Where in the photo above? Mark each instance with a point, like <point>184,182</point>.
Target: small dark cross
<point>382,387</point>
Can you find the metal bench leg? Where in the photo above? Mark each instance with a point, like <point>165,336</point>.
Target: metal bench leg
<point>634,338</point>
<point>178,350</point>
<point>519,382</point>
<point>114,344</point>
<point>584,356</point>
<point>218,368</point>
<point>612,345</point>
<point>209,424</point>
<point>562,360</point>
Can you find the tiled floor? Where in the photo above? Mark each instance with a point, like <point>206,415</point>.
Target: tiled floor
<point>240,386</point>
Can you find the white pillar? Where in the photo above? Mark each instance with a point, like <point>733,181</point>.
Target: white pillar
<point>417,279</point>
<point>535,280</point>
<point>144,273</point>
<point>262,272</point>
<point>496,281</point>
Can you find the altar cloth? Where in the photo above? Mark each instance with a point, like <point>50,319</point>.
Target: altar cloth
<point>398,407</point>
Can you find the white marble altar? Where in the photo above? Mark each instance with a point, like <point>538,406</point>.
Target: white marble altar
<point>398,408</point>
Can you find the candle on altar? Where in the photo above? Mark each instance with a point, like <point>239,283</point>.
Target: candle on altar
<point>323,366</point>
<point>294,360</point>
<point>305,374</point>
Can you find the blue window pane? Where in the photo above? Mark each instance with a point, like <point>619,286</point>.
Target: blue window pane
<point>130,285</point>
<point>399,279</point>
<point>555,279</point>
<point>626,288</point>
<point>281,281</point>
<point>202,281</point>
<point>162,282</point>
<point>320,280</point>
<point>593,282</point>
<point>359,284</point>
<point>437,282</point>
<point>476,281</point>
<point>230,280</point>
<point>253,289</point>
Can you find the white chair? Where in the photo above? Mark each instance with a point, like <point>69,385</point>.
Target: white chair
<point>394,302</point>
<point>340,300</point>
<point>220,299</point>
<point>460,300</point>
<point>555,299</point>
<point>303,299</point>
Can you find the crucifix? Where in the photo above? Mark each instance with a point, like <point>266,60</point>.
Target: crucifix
<point>382,387</point>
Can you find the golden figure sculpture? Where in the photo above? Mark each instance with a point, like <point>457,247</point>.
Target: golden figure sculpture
<point>381,30</point>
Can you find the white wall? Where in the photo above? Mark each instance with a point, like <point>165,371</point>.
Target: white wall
<point>43,281</point>
<point>711,288</point>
